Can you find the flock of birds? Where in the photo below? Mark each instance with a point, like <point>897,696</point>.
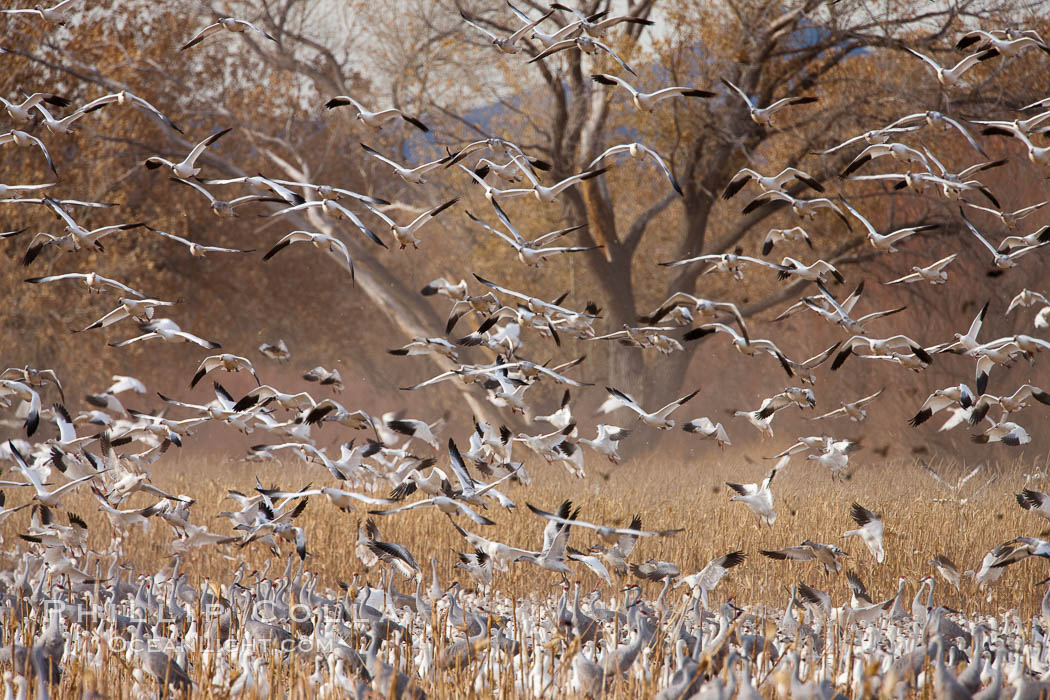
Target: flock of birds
<point>63,601</point>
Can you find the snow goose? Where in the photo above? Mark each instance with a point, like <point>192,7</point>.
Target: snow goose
<point>50,499</point>
<point>265,394</point>
<point>325,192</point>
<point>376,120</point>
<point>1005,432</point>
<point>639,151</point>
<point>758,497</point>
<point>647,101</point>
<point>953,184</point>
<point>23,112</point>
<point>1003,261</point>
<point>333,210</point>
<point>391,553</point>
<point>802,208</point>
<point>325,377</point>
<point>1036,154</point>
<point>140,310</point>
<point>187,167</point>
<point>92,280</point>
<point>167,330</point>
<point>21,138</point>
<point>1032,240</point>
<point>56,14</point>
<point>886,243</point>
<point>937,119</point>
<point>225,209</point>
<point>509,171</point>
<point>722,262</point>
<point>442,286</point>
<point>426,346</point>
<point>82,237</point>
<point>827,555</point>
<point>561,418</point>
<point>586,45</point>
<point>230,24</point>
<point>950,77</point>
<point>260,182</point>
<point>1007,47</point>
<point>707,428</point>
<point>509,44</point>
<point>764,115</point>
<point>1034,502</point>
<point>607,441</point>
<point>405,235</point>
<point>198,250</point>
<point>704,581</point>
<point>602,25</point>
<point>555,540</point>
<point>775,182</point>
<point>124,97</point>
<point>446,504</point>
<point>33,377</point>
<point>876,346</point>
<point>21,390</point>
<point>321,241</point>
<point>854,410</point>
<point>680,307</point>
<point>644,337</point>
<point>1025,298</point>
<point>549,194</point>
<point>225,362</point>
<point>946,569</point>
<point>1009,404</point>
<point>871,137</point>
<point>65,124</point>
<point>502,554</point>
<point>659,418</point>
<point>869,530</point>
<point>835,455</point>
<point>804,369</point>
<point>609,534</point>
<point>898,151</point>
<point>792,396</point>
<point>744,346</point>
<point>836,313</point>
<point>276,351</point>
<point>411,175</point>
<point>934,274</point>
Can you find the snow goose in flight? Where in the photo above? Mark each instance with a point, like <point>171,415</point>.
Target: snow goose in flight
<point>1006,46</point>
<point>598,28</point>
<point>954,184</point>
<point>585,45</point>
<point>509,171</point>
<point>447,505</point>
<point>1003,261</point>
<point>405,235</point>
<point>197,250</point>
<point>764,115</point>
<point>869,530</point>
<point>776,182</point>
<point>707,428</point>
<point>1026,298</point>
<point>722,262</point>
<point>610,535</point>
<point>326,192</point>
<point>82,237</point>
<point>225,362</point>
<point>187,167</point>
<point>1013,243</point>
<point>410,175</point>
<point>321,241</point>
<point>804,369</point>
<point>837,314</point>
<point>1034,502</point>
<point>1036,154</point>
<point>827,555</point>
<point>124,97</point>
<point>1009,404</point>
<point>92,280</point>
<point>391,553</point>
<point>225,209</point>
<point>678,302</point>
<point>23,112</point>
<point>561,418</point>
<point>276,351</point>
<point>47,498</point>
<point>17,189</point>
<point>1005,432</point>
<point>876,346</point>
<point>52,15</point>
<point>417,429</point>
<point>508,44</point>
<point>934,274</point>
<point>792,396</point>
<point>744,346</point>
<point>1019,549</point>
<point>549,194</point>
<point>333,210</point>
<point>21,390</point>
<point>647,101</point>
<point>950,77</point>
<point>644,337</point>
<point>33,377</point>
<point>65,124</point>
<point>141,310</point>
<point>870,137</point>
<point>900,152</point>
<point>230,24</point>
<point>802,208</point>
<point>886,243</point>
<point>854,410</point>
<point>607,441</point>
<point>21,138</point>
<point>376,120</point>
<point>1009,219</point>
<point>659,418</point>
<point>426,346</point>
<point>705,580</point>
<point>762,425</point>
<point>937,119</point>
<point>324,377</point>
<point>758,497</point>
<point>639,151</point>
<point>263,183</point>
<point>167,330</point>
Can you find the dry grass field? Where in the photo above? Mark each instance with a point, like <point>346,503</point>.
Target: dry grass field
<point>920,517</point>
